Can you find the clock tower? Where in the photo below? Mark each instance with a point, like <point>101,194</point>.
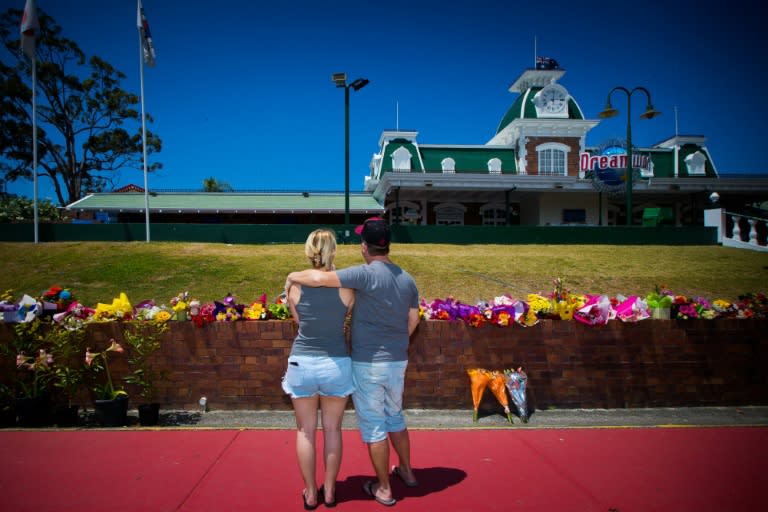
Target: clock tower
<point>545,125</point>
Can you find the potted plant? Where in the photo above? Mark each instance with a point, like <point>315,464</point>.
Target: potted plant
<point>110,403</point>
<point>181,305</point>
<point>7,412</point>
<point>67,372</point>
<point>30,390</point>
<point>660,303</point>
<point>143,340</point>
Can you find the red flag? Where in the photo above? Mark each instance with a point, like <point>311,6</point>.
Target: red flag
<point>146,38</point>
<point>29,28</point>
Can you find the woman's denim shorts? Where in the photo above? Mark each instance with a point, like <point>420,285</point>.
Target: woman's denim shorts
<point>307,376</point>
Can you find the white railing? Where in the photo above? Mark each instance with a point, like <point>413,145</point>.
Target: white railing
<point>737,230</point>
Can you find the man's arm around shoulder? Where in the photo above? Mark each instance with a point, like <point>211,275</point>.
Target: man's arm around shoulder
<point>313,278</point>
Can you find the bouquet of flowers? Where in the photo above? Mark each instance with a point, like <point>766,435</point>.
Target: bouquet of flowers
<point>516,381</point>
<point>57,298</point>
<point>228,310</point>
<point>180,304</point>
<point>149,311</point>
<point>120,309</point>
<point>495,380</point>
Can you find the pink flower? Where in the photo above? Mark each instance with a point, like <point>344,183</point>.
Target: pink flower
<point>89,356</point>
<point>115,347</point>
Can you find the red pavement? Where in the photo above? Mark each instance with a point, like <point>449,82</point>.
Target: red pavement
<point>585,469</point>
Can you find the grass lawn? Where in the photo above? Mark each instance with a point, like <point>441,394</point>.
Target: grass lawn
<point>99,271</point>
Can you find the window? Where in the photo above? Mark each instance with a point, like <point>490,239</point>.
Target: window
<point>574,216</point>
<point>494,166</point>
<point>449,214</point>
<point>408,213</point>
<point>695,164</point>
<point>448,165</point>
<point>401,160</point>
<point>496,214</point>
<point>552,159</point>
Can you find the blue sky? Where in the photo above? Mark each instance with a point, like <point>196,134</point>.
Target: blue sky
<point>242,89</point>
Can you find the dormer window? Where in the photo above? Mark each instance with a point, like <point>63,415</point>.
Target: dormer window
<point>448,165</point>
<point>695,163</point>
<point>494,166</point>
<point>401,160</point>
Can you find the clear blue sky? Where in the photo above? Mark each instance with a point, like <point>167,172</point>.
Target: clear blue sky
<point>242,89</point>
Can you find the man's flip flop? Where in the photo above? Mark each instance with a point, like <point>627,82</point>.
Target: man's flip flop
<point>396,472</point>
<point>368,489</point>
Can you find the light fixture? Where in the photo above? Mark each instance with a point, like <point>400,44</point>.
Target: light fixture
<point>340,79</point>
<point>649,113</point>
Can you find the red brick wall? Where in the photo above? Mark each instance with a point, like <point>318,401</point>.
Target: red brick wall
<point>532,157</point>
<point>653,363</point>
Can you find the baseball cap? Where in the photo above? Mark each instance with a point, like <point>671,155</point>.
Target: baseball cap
<point>374,231</point>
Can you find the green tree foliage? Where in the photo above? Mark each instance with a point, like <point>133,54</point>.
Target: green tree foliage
<point>21,209</point>
<point>211,184</point>
<point>88,128</point>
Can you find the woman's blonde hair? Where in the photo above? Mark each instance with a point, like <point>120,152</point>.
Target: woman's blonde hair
<point>320,248</point>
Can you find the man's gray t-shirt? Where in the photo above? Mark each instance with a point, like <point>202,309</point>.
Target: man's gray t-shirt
<point>384,294</point>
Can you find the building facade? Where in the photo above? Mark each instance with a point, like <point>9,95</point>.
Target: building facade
<point>539,170</point>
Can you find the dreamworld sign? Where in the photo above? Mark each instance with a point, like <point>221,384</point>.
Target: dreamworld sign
<point>608,168</point>
<point>616,161</point>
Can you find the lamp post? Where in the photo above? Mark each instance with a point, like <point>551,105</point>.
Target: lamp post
<point>340,79</point>
<point>649,113</point>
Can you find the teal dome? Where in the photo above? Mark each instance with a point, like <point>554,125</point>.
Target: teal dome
<point>524,108</point>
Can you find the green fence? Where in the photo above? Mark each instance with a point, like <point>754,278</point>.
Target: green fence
<point>297,233</point>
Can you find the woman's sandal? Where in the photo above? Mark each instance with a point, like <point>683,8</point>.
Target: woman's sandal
<point>306,505</point>
<point>321,494</point>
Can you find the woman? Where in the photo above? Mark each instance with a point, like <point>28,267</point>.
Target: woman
<point>319,369</point>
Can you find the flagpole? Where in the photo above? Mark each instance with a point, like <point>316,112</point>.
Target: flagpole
<point>34,148</point>
<point>144,138</point>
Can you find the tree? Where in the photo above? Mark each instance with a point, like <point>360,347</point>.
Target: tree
<point>211,184</point>
<point>83,116</point>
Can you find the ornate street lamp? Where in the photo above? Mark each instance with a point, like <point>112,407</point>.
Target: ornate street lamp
<point>649,113</point>
<point>340,79</point>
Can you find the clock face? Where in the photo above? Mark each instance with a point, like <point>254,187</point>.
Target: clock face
<point>553,99</point>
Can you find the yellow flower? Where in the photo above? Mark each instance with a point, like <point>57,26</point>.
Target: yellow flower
<point>162,316</point>
<point>538,303</point>
<point>180,306</point>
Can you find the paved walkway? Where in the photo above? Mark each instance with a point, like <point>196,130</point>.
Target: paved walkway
<point>712,459</point>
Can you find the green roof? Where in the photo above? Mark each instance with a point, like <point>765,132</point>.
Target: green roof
<point>524,108</point>
<point>229,202</point>
<point>472,159</point>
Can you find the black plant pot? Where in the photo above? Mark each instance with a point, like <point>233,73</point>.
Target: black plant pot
<point>33,412</point>
<point>112,413</point>
<point>149,414</point>
<point>7,416</point>
<point>66,416</point>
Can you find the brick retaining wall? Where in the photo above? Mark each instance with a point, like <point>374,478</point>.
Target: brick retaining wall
<point>652,363</point>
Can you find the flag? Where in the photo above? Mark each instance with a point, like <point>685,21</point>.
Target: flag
<point>29,28</point>
<point>546,63</point>
<point>146,38</point>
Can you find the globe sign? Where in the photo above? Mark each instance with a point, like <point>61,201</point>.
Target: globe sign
<point>610,181</point>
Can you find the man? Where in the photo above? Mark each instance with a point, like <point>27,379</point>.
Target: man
<point>385,314</point>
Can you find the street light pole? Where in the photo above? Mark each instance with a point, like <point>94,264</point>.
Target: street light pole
<point>340,79</point>
<point>649,113</point>
<point>346,156</point>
